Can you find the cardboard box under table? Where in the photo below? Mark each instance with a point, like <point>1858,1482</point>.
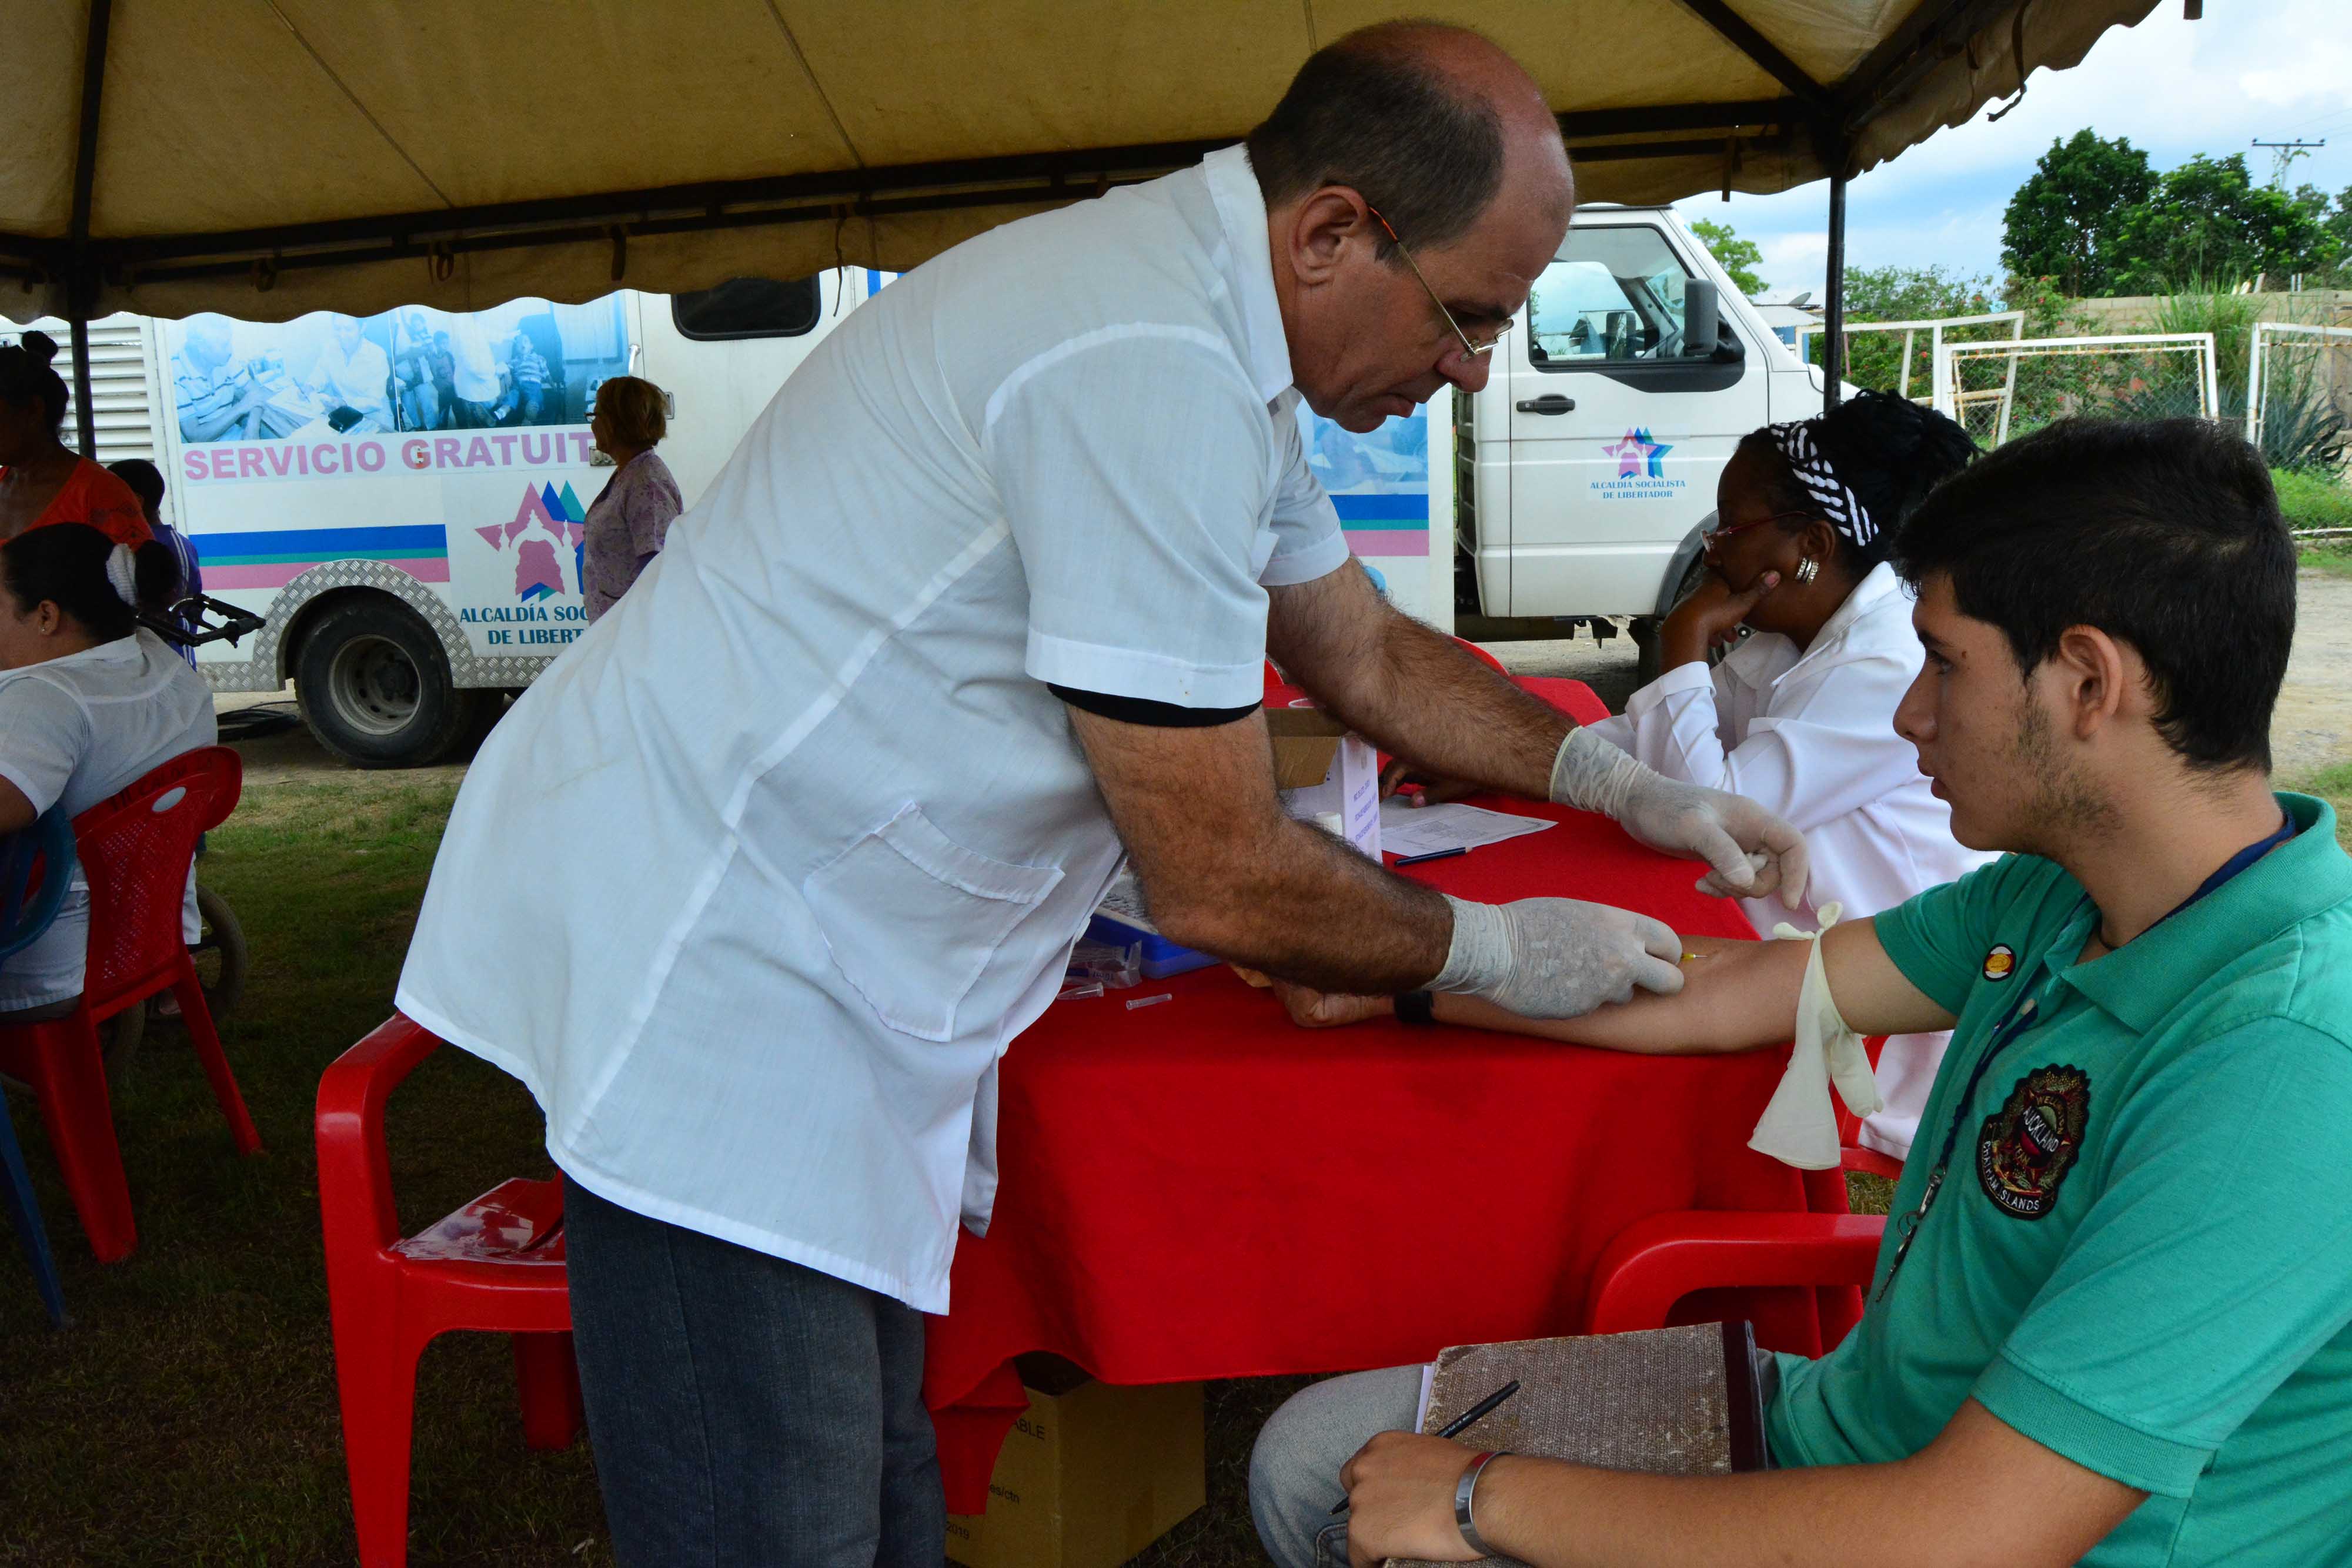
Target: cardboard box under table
<point>1089,1477</point>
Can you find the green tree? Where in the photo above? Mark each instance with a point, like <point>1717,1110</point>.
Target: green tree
<point>1913,294</point>
<point>2209,222</point>
<point>2338,225</point>
<point>1739,257</point>
<point>2065,221</point>
<point>1906,294</point>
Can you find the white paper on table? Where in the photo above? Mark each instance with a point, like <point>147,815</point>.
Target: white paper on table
<point>1407,830</point>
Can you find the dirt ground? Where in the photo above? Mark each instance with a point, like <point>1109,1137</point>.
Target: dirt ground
<point>2312,730</point>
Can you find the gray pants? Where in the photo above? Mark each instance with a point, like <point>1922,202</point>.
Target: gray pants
<point>747,1411</point>
<point>1295,1468</point>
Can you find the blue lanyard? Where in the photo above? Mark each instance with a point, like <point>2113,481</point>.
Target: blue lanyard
<point>2231,867</point>
<point>2013,1023</point>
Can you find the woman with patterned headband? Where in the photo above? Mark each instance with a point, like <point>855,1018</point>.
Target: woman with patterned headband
<point>1801,717</point>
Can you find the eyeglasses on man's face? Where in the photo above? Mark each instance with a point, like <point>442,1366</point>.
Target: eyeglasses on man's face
<point>1476,348</point>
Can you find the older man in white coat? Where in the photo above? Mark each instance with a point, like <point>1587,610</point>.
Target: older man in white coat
<point>983,599</point>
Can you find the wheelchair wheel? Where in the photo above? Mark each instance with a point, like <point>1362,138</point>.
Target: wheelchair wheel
<point>221,960</point>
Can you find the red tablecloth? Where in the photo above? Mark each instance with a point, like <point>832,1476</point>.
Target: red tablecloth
<point>1199,1190</point>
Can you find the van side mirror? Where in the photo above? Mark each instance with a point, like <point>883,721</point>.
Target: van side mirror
<point>1705,337</point>
<point>1702,318</point>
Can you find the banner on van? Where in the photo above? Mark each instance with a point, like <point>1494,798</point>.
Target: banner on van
<point>1378,481</point>
<point>355,394</point>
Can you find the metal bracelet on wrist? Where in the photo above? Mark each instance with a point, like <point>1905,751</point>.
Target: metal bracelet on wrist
<point>1466,1495</point>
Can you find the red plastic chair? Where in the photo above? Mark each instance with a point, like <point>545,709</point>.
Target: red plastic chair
<point>494,1266</point>
<point>135,848</point>
<point>1656,1263</point>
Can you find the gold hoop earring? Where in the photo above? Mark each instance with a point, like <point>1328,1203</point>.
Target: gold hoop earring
<point>1808,569</point>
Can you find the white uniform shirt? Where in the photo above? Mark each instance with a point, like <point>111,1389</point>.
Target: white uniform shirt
<point>1812,736</point>
<point>360,379</point>
<point>756,883</point>
<point>74,731</point>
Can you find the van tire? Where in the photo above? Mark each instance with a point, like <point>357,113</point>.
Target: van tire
<point>1645,631</point>
<point>374,687</point>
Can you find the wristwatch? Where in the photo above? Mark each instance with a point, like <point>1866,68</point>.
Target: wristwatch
<point>1465,1502</point>
<point>1417,1007</point>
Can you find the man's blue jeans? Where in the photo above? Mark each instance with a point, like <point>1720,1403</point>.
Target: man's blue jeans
<point>747,1411</point>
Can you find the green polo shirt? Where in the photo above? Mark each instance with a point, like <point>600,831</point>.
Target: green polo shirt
<point>2141,1253</point>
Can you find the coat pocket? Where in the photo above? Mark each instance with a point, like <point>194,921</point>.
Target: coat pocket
<point>913,919</point>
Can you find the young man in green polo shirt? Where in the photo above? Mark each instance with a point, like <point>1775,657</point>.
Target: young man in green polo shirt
<point>2109,1322</point>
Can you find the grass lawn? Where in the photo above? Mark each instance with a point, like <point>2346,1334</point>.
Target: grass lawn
<point>188,1416</point>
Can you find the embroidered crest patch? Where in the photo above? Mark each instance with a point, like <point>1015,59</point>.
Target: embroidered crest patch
<point>2001,963</point>
<point>2025,1150</point>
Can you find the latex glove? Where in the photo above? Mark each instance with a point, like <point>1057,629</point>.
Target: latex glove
<point>1799,1127</point>
<point>1750,852</point>
<point>1557,957</point>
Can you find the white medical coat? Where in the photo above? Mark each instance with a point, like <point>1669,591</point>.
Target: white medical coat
<point>756,883</point>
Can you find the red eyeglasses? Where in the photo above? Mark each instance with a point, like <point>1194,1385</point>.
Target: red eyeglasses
<point>1716,535</point>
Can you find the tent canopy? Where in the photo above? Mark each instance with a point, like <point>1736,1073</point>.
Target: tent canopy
<point>266,158</point>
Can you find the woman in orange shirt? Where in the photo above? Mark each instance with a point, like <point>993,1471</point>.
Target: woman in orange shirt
<point>42,481</point>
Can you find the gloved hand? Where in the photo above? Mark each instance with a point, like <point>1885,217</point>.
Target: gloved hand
<point>1557,957</point>
<point>1750,852</point>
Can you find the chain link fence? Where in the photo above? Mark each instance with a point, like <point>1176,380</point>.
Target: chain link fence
<point>2299,394</point>
<point>2000,390</point>
<point>1899,357</point>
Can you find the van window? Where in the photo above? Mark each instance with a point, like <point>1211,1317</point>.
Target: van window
<point>1613,298</point>
<point>747,308</point>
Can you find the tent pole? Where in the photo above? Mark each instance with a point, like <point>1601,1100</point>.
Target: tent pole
<point>81,273</point>
<point>85,418</point>
<point>1833,311</point>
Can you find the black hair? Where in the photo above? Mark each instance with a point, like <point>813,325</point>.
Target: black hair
<point>1889,450</point>
<point>25,374</point>
<point>1368,112</point>
<point>2164,534</point>
<point>146,481</point>
<point>65,563</point>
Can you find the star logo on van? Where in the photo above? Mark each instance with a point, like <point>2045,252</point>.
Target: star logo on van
<point>1638,456</point>
<point>546,531</point>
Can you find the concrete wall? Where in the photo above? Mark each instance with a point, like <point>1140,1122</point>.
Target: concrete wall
<point>2137,313</point>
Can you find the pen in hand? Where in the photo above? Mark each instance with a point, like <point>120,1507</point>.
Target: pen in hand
<point>1463,1422</point>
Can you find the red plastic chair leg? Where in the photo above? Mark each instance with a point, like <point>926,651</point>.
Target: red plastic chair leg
<point>198,1018</point>
<point>548,1377</point>
<point>377,1379</point>
<point>71,1081</point>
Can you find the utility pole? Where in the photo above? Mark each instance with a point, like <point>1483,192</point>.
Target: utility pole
<point>2284,153</point>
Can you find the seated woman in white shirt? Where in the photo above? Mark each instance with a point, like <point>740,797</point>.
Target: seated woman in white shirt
<point>89,703</point>
<point>1801,717</point>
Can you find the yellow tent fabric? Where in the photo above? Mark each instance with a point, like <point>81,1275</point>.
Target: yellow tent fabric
<point>267,158</point>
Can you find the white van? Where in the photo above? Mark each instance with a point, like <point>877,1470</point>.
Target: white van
<point>1586,467</point>
<point>401,497</point>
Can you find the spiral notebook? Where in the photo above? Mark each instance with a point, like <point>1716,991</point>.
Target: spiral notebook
<point>1676,1402</point>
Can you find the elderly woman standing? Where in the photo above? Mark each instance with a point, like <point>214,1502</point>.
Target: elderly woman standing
<point>631,515</point>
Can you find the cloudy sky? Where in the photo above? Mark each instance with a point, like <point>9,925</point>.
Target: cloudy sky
<point>2276,69</point>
